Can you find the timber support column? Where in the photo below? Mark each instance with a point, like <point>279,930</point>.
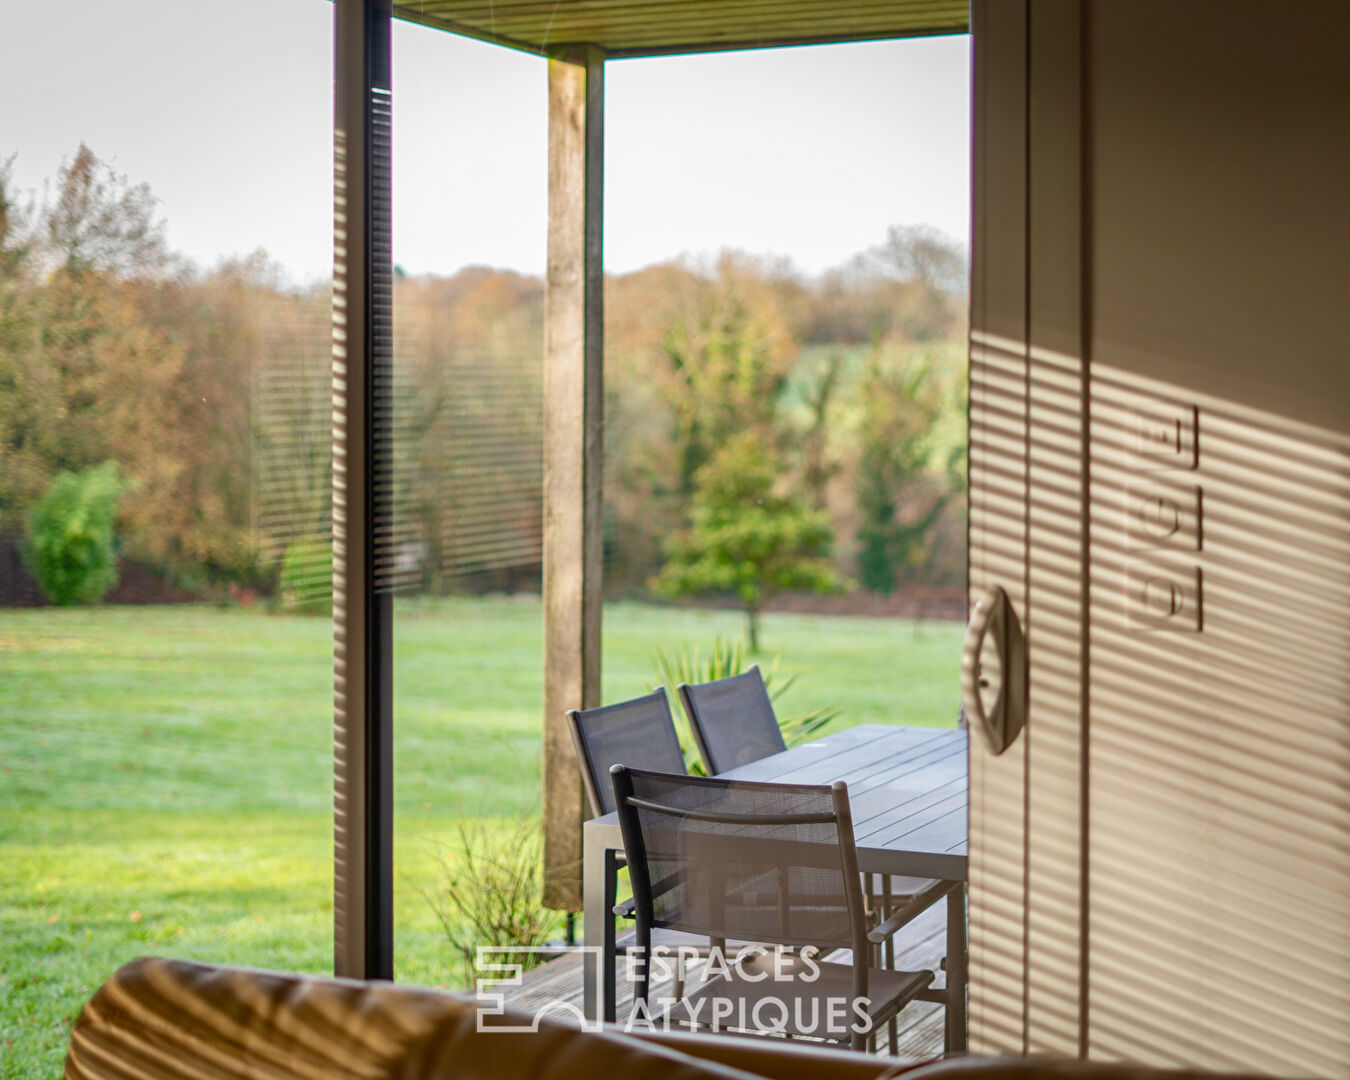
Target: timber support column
<point>362,440</point>
<point>573,450</point>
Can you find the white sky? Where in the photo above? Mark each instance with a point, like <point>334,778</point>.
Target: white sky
<point>225,110</point>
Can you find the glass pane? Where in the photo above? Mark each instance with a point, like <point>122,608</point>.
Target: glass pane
<point>165,447</point>
<point>468,386</point>
<point>785,401</point>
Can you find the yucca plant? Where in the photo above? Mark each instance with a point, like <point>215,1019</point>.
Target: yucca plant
<point>687,664</point>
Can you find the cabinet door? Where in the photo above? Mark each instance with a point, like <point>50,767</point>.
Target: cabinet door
<point>1219,715</point>
<point>1160,480</point>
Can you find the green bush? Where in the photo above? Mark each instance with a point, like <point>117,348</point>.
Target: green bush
<point>70,546</point>
<point>307,577</point>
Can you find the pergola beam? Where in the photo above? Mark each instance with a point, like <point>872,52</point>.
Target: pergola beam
<point>630,28</point>
<point>682,46</point>
<point>573,449</point>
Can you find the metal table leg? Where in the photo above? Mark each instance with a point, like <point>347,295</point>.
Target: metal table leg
<point>956,971</point>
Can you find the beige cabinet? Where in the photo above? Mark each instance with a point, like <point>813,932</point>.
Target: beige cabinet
<point>1160,480</point>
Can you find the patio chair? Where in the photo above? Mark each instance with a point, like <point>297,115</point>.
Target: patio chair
<point>733,720</point>
<point>638,732</point>
<point>734,724</point>
<point>766,863</point>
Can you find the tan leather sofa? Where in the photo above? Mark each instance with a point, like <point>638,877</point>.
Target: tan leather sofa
<point>159,1019</point>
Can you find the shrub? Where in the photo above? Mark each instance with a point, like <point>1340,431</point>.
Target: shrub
<point>492,893</point>
<point>307,577</point>
<point>70,547</point>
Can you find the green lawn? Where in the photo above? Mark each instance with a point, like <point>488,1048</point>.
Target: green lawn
<point>165,773</point>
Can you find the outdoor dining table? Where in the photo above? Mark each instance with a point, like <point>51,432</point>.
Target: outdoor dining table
<point>907,793</point>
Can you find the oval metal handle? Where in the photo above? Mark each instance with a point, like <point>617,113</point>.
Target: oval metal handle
<point>1004,720</point>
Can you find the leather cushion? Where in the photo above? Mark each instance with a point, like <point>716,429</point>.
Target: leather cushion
<point>158,1019</point>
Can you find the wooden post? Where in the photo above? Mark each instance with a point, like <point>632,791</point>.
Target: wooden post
<point>573,450</point>
<point>362,612</point>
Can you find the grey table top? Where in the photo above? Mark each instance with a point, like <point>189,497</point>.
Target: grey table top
<point>907,792</point>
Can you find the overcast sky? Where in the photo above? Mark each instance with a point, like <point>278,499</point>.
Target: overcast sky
<point>225,110</point>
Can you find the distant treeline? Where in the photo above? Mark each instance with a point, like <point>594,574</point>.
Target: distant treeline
<point>211,392</point>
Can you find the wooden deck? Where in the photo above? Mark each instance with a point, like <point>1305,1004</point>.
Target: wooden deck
<point>919,945</point>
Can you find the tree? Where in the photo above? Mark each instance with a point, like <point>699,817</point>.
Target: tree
<point>819,393</point>
<point>247,415</point>
<point>85,375</point>
<point>728,351</point>
<point>694,353</point>
<point>16,238</point>
<point>924,254</point>
<point>101,222</point>
<point>26,399</point>
<point>744,538</point>
<point>898,497</point>
<point>468,423</point>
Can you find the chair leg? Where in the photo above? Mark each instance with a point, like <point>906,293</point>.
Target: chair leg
<point>888,961</point>
<point>644,949</point>
<point>888,957</point>
<point>609,961</point>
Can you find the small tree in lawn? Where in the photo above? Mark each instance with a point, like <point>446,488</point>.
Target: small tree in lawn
<point>743,537</point>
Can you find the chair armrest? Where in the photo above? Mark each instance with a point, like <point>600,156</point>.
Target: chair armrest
<point>900,916</point>
<point>626,909</point>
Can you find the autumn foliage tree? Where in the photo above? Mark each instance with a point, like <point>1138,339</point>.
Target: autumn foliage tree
<point>112,350</point>
<point>211,390</point>
<point>107,374</point>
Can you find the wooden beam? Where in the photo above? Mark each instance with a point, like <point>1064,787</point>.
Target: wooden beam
<point>641,28</point>
<point>573,450</point>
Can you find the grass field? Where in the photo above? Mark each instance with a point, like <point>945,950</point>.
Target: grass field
<point>165,773</point>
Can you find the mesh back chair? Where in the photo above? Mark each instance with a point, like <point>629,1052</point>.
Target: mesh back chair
<point>733,720</point>
<point>734,724</point>
<point>764,863</point>
<point>640,733</point>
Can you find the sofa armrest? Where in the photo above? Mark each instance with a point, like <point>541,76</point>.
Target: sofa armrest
<point>158,1019</point>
